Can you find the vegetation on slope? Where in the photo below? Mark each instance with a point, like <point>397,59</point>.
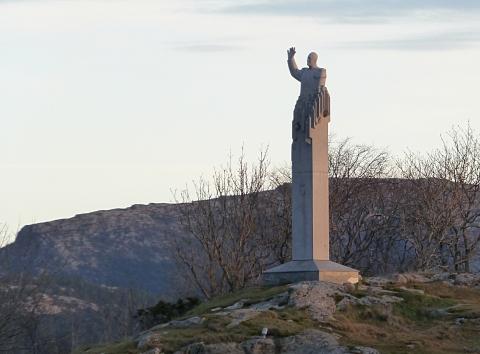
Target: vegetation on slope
<point>432,318</point>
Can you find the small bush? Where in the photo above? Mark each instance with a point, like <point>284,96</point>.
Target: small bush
<point>165,311</point>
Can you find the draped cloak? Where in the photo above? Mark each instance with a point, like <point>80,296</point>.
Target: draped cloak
<point>313,103</point>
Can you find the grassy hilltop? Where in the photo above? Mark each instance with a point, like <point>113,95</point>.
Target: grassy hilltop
<point>402,314</point>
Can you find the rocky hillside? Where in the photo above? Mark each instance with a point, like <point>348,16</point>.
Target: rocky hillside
<point>54,315</point>
<point>128,248</point>
<point>405,313</point>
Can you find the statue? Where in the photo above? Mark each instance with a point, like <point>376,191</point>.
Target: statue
<point>310,198</point>
<point>314,100</point>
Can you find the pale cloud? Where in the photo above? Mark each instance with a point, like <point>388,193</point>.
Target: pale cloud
<point>349,10</point>
<point>420,42</point>
<point>207,47</point>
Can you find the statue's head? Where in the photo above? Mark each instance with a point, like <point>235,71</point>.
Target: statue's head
<point>312,60</point>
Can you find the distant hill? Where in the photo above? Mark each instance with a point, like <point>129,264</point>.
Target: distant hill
<point>128,248</point>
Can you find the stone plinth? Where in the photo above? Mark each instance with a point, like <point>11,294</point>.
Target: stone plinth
<point>310,270</point>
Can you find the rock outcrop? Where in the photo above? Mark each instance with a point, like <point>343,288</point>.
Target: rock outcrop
<point>320,317</point>
<point>308,342</point>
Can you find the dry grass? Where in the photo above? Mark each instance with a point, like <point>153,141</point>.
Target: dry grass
<point>251,295</point>
<point>420,324</point>
<point>124,347</point>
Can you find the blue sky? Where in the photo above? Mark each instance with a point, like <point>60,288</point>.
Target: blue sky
<point>108,103</point>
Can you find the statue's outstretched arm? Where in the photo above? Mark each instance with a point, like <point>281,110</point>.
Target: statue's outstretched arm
<point>292,65</point>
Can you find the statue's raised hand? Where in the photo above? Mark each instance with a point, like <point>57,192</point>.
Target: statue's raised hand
<point>291,53</point>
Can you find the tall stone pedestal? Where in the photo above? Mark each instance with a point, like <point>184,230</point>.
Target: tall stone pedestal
<point>310,210</point>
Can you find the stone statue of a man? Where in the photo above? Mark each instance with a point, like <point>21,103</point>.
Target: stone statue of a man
<point>310,196</point>
<point>314,100</point>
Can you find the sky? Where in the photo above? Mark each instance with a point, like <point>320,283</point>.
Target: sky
<point>109,103</point>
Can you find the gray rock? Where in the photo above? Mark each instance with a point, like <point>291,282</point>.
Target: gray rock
<point>236,306</point>
<point>148,340</point>
<point>276,303</point>
<point>153,351</point>
<point>189,322</point>
<point>441,276</point>
<point>239,316</point>
<point>317,297</point>
<point>221,313</point>
<point>152,337</point>
<point>435,313</point>
<point>377,281</point>
<point>379,300</point>
<point>416,278</point>
<point>219,348</point>
<point>311,342</point>
<point>367,301</point>
<point>348,287</point>
<point>377,290</point>
<point>400,278</point>
<point>345,303</point>
<point>259,345</point>
<point>192,321</point>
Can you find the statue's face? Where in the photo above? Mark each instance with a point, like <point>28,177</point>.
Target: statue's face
<point>312,59</point>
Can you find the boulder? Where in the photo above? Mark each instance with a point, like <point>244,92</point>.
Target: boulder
<point>367,301</point>
<point>317,297</point>
<point>259,345</point>
<point>313,341</point>
<point>147,340</point>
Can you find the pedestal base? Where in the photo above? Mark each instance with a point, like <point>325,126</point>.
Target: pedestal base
<point>295,271</point>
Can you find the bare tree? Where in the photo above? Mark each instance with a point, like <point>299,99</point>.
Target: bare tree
<point>427,213</point>
<point>231,233</point>
<point>363,207</point>
<point>440,215</point>
<point>279,206</point>
<point>459,160</point>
